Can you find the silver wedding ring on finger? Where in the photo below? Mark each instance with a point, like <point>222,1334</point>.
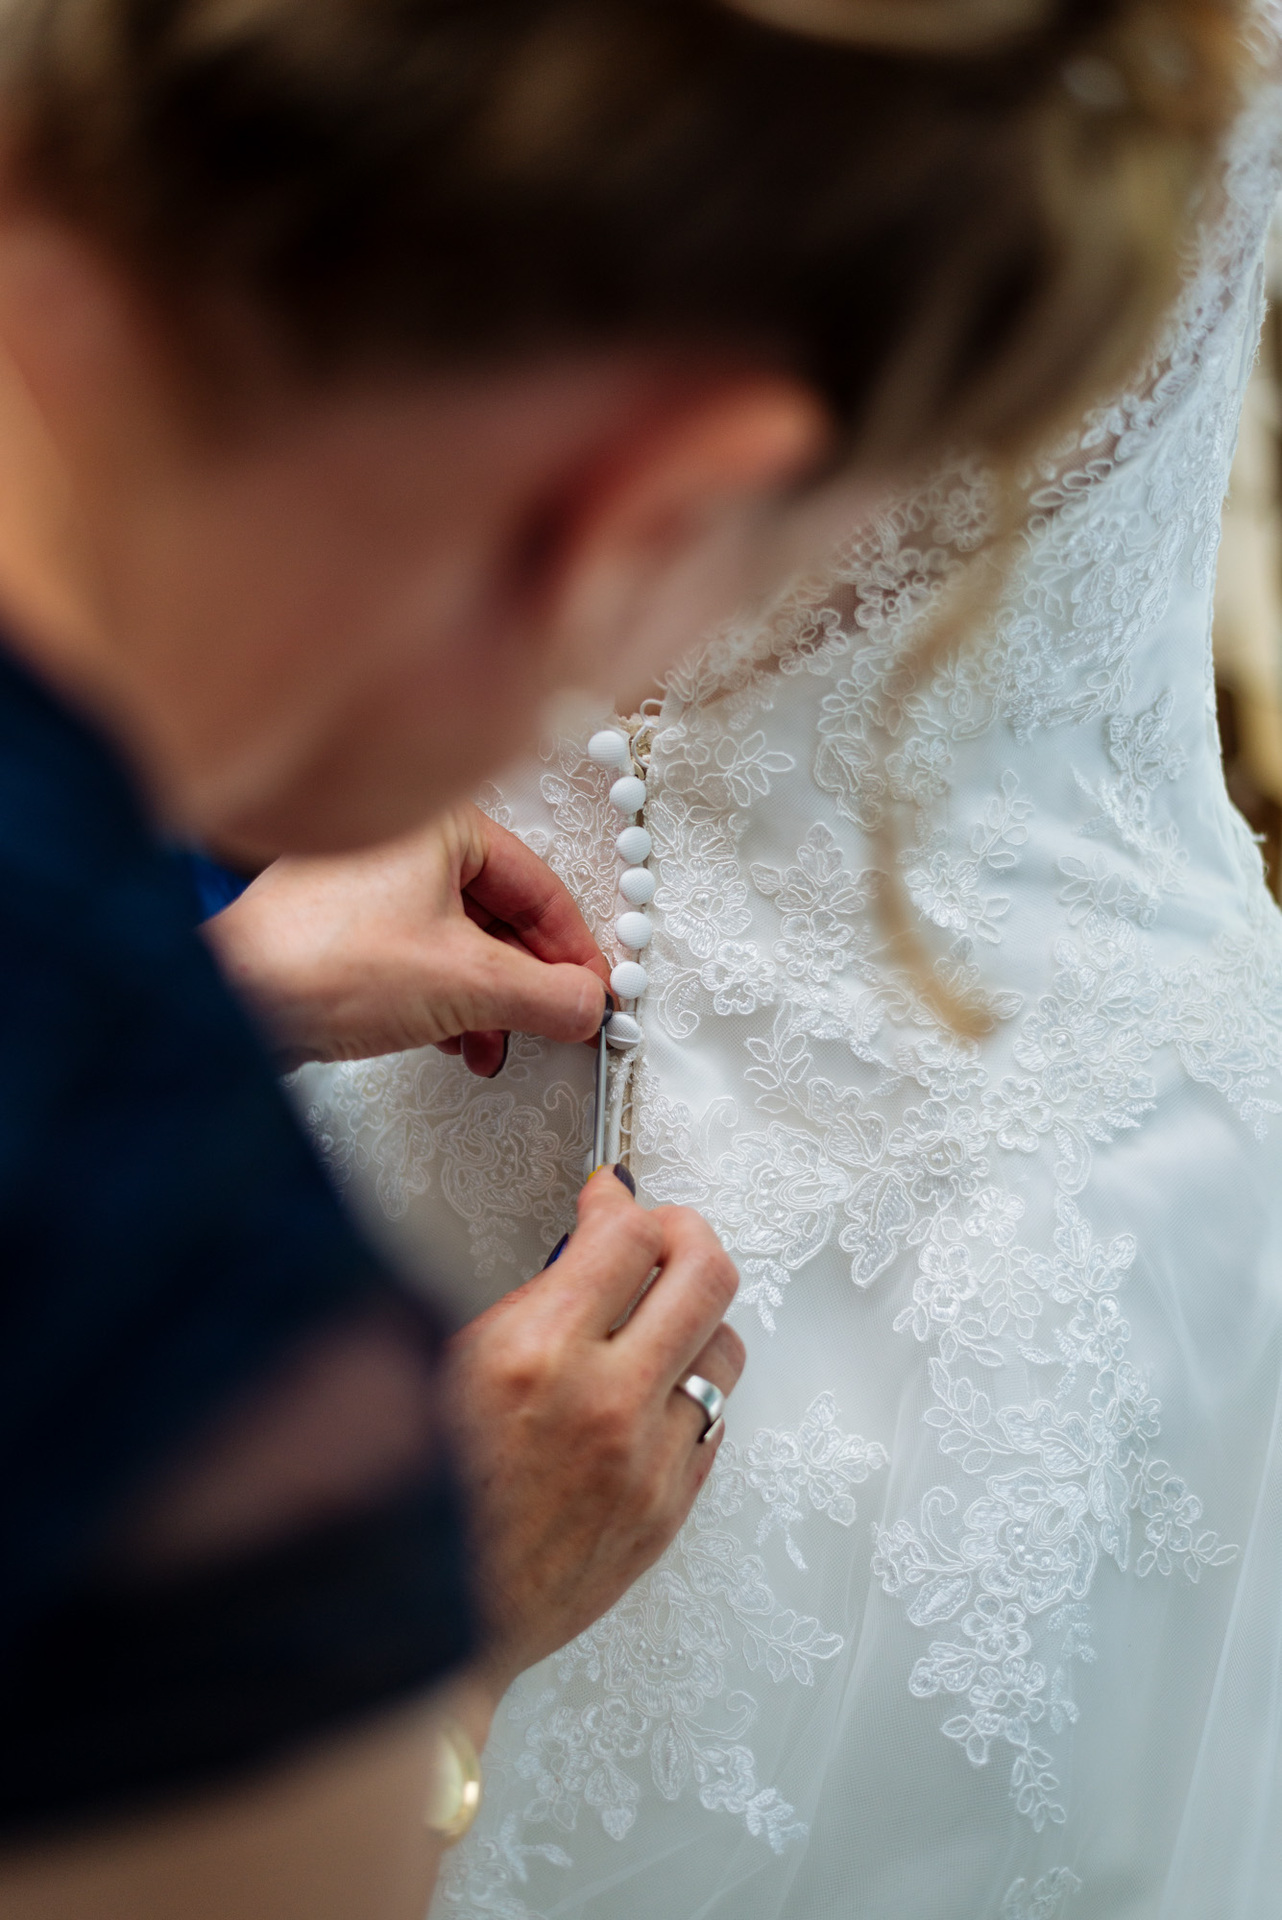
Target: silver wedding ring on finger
<point>710,1399</point>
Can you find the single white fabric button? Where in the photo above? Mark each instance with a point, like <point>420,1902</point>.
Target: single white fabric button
<point>634,845</point>
<point>621,1030</point>
<point>634,929</point>
<point>610,749</point>
<point>637,885</point>
<point>629,980</point>
<point>628,794</point>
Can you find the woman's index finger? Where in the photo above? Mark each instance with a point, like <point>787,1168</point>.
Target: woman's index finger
<point>522,891</point>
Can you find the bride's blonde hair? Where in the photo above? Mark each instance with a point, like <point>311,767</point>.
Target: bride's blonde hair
<point>954,217</point>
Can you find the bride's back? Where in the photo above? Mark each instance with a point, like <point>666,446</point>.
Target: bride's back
<point>971,1619</point>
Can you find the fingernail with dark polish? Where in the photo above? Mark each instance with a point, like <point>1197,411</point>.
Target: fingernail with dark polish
<point>556,1252</point>
<point>621,1173</point>
<point>507,1041</point>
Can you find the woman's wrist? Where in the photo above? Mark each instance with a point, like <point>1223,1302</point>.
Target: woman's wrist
<point>281,992</point>
<point>471,1699</point>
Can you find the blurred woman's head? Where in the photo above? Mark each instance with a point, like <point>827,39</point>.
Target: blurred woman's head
<point>377,366</point>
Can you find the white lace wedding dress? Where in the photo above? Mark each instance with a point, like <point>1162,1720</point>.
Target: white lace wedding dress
<point>981,1615</point>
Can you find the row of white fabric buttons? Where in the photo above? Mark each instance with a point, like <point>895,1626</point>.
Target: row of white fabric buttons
<point>629,979</point>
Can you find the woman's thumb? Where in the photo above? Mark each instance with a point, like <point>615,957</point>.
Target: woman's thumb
<point>520,994</point>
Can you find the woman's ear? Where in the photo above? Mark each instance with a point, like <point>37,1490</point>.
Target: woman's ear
<point>673,531</point>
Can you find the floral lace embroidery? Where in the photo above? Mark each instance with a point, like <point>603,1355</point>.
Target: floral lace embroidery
<point>1223,1007</point>
<point>860,1124</point>
<point>817,1466</point>
<point>1075,1464</point>
<point>1013,1568</point>
<point>580,848</point>
<point>1141,751</point>
<point>947,889</point>
<point>823,924</point>
<point>419,1123</point>
<point>1042,1901</point>
<point>661,1701</point>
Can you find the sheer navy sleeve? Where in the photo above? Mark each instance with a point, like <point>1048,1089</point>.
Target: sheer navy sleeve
<point>216,886</point>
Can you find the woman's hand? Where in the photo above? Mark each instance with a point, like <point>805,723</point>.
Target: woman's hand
<point>580,1458</point>
<point>451,937</point>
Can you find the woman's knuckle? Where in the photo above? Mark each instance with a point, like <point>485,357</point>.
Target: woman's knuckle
<point>714,1273</point>
<point>644,1236</point>
<point>519,1370</point>
<point>609,1434</point>
<point>688,1225</point>
<point>699,1244</point>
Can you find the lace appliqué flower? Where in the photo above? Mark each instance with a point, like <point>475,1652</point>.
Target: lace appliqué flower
<point>661,1707</point>
<point>1044,1900</point>
<point>1076,1477</point>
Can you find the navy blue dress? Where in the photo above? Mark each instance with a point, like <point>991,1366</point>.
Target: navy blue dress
<point>166,1238</point>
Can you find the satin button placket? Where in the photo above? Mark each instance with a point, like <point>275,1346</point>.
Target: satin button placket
<point>613,750</point>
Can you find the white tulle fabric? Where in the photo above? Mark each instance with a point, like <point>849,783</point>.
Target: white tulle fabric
<point>980,1617</point>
